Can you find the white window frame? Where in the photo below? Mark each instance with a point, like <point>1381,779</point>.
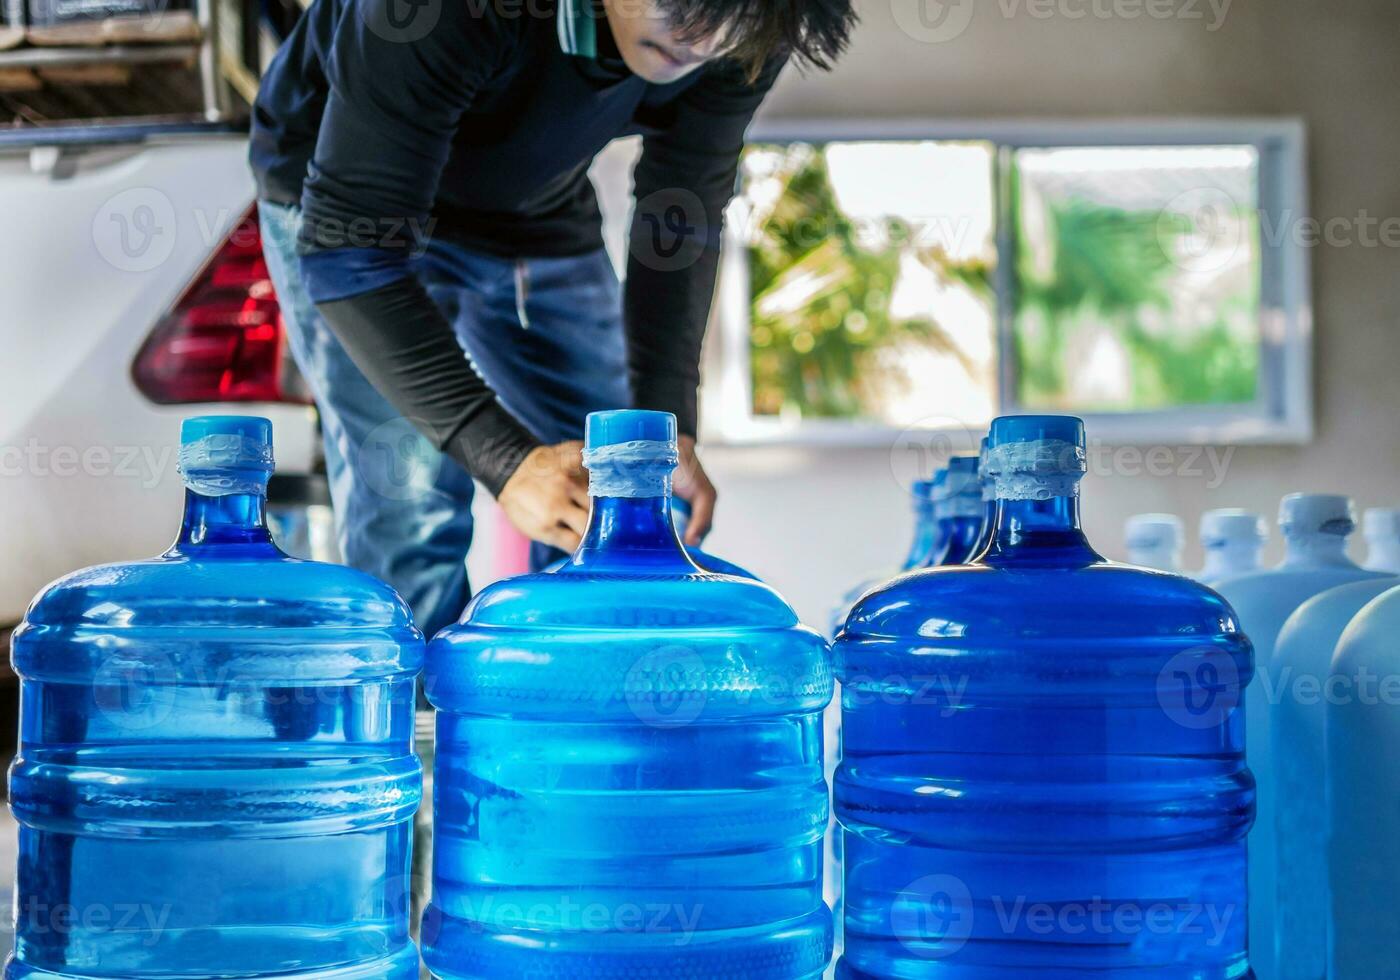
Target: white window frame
<point>1282,413</point>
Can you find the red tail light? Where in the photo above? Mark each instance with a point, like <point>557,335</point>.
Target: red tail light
<point>224,341</point>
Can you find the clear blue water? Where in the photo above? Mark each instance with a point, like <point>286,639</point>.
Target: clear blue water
<point>215,776</point>
<point>628,780</point>
<point>1043,763</point>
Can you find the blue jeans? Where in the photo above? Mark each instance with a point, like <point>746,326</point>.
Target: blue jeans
<point>546,334</point>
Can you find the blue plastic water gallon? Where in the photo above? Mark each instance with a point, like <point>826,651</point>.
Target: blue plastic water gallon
<point>962,512</point>
<point>628,780</point>
<point>1363,742</point>
<point>1043,770</point>
<point>1302,663</point>
<point>1232,541</point>
<point>1315,529</point>
<point>216,774</point>
<point>1154,541</point>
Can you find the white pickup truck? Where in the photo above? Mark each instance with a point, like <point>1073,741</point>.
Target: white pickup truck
<point>134,294</point>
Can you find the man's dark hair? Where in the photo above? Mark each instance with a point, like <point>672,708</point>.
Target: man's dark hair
<point>812,32</point>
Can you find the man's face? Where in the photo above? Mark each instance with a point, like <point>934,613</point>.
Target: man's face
<point>649,45</point>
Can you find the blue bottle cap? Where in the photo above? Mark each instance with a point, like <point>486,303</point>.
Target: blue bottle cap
<point>251,427</point>
<point>921,489</point>
<point>1317,513</point>
<point>1226,524</point>
<point>628,425</point>
<point>1035,428</point>
<point>1153,530</point>
<point>962,466</point>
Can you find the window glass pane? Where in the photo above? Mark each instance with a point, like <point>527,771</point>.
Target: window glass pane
<point>870,268</point>
<point>1137,277</point>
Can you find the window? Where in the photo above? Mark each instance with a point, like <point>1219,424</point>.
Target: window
<point>928,276</point>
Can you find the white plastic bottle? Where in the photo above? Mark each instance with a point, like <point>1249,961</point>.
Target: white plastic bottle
<point>1301,665</point>
<point>1315,529</point>
<point>1363,745</point>
<point>1154,541</point>
<point>1232,540</point>
<point>1382,530</point>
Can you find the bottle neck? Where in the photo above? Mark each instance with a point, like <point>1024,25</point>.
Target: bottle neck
<point>1314,549</point>
<point>1384,551</point>
<point>630,532</point>
<point>1035,531</point>
<point>1231,556</point>
<point>227,519</point>
<point>1165,556</point>
<point>963,535</point>
<point>988,529</point>
<point>925,535</point>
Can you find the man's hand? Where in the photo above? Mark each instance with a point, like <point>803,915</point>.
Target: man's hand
<point>546,498</point>
<point>693,485</point>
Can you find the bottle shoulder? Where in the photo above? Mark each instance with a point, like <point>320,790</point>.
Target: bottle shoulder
<point>1284,589</point>
<point>238,587</point>
<point>1369,637</point>
<point>1310,634</point>
<point>587,599</point>
<point>1098,599</point>
<point>625,646</point>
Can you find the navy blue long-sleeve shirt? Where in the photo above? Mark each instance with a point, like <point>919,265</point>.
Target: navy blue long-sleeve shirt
<point>467,120</point>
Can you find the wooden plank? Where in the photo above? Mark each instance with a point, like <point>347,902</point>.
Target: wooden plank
<point>173,26</point>
<point>19,80</point>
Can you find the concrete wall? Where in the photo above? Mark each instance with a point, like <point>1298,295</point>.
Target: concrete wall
<point>813,522</point>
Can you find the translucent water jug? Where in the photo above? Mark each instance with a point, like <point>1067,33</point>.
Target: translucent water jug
<point>1301,665</point>
<point>1232,541</point>
<point>1381,527</point>
<point>1363,742</point>
<point>922,545</point>
<point>962,512</point>
<point>1315,529</point>
<point>628,780</point>
<point>1043,770</point>
<point>1154,541</point>
<point>216,774</point>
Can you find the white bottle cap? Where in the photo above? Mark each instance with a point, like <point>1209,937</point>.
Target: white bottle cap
<point>1153,530</point>
<point>1382,522</point>
<point>1317,513</point>
<point>1228,525</point>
